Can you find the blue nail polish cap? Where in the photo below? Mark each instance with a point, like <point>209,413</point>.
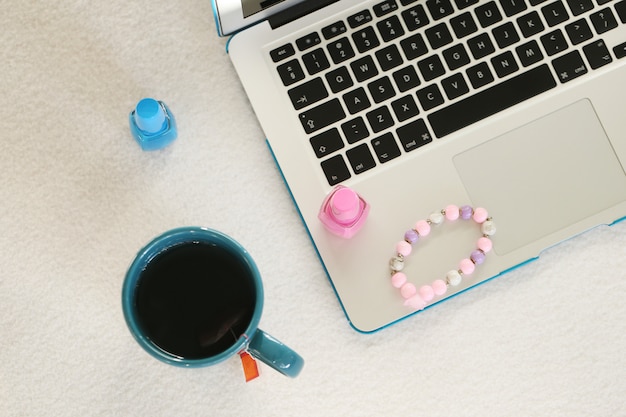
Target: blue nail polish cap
<point>152,124</point>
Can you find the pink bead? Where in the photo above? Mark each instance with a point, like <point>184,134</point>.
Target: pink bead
<point>467,266</point>
<point>415,302</point>
<point>403,248</point>
<point>484,244</point>
<point>408,290</point>
<point>452,212</point>
<point>398,279</point>
<point>422,227</point>
<point>427,293</point>
<point>480,215</point>
<point>440,287</point>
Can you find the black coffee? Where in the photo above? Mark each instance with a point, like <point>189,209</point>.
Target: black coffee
<point>195,300</point>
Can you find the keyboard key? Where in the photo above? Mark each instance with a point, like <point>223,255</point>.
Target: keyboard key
<point>463,25</point>
<point>389,57</point>
<point>597,54</point>
<point>406,78</point>
<point>579,7</point>
<point>356,100</point>
<point>339,79</point>
<point>454,86</point>
<point>326,143</point>
<point>414,135</point>
<point>379,119</point>
<point>340,50</point>
<point>530,24</point>
<point>390,28</point>
<point>439,8</point>
<point>554,42</point>
<point>554,13</point>
<point>385,148</point>
<point>360,158</point>
<point>504,64</point>
<point>621,10</point>
<point>381,90</point>
<point>414,46</point>
<point>491,101</point>
<point>536,2</point>
<point>308,93</point>
<point>438,35</point>
<point>431,67</point>
<point>290,72</point>
<point>385,7</point>
<point>415,17</point>
<point>364,68</point>
<point>513,7</point>
<point>308,41</point>
<point>334,30</point>
<point>603,21</point>
<point>569,66</point>
<point>283,52</point>
<point>481,46</point>
<point>315,61</point>
<point>462,4</point>
<point>578,31</point>
<point>529,53</point>
<point>404,108</point>
<point>355,130</point>
<point>488,14</point>
<point>456,57</point>
<point>479,75</point>
<point>620,50</point>
<point>365,39</point>
<point>359,19</point>
<point>335,169</point>
<point>430,97</point>
<point>505,35</point>
<point>321,116</point>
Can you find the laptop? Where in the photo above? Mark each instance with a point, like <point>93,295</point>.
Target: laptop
<point>514,106</point>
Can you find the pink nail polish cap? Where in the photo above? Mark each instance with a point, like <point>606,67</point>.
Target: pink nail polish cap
<point>343,212</point>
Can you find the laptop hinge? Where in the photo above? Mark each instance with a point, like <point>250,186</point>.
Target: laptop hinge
<point>297,11</point>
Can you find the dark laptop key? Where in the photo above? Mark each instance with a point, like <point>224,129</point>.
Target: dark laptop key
<point>290,72</point>
<point>578,31</point>
<point>390,28</point>
<point>569,66</point>
<point>492,100</point>
<point>414,135</point>
<point>389,57</point>
<point>339,79</point>
<point>439,8</point>
<point>340,50</point>
<point>554,13</point>
<point>364,68</point>
<point>335,169</point>
<point>380,119</point>
<point>356,100</point>
<point>381,89</point>
<point>461,4</point>
<point>308,93</point>
<point>359,19</point>
<point>405,108</point>
<point>430,97</point>
<point>406,78</point>
<point>360,158</point>
<point>554,42</point>
<point>504,64</point>
<point>414,46</point>
<point>463,25</point>
<point>512,7</point>
<point>603,20</point>
<point>333,30</point>
<point>321,116</point>
<point>365,39</point>
<point>454,86</point>
<point>580,6</point>
<point>326,143</point>
<point>385,7</point>
<point>283,52</point>
<point>530,24</point>
<point>385,148</point>
<point>529,53</point>
<point>315,61</point>
<point>597,54</point>
<point>488,14</point>
<point>438,35</point>
<point>620,50</point>
<point>415,17</point>
<point>621,10</point>
<point>355,130</point>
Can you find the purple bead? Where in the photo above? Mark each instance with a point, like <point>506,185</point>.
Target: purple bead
<point>478,257</point>
<point>411,236</point>
<point>466,212</point>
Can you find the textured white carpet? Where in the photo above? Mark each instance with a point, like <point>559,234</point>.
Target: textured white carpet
<point>78,198</point>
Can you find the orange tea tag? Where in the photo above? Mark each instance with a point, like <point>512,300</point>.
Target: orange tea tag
<point>250,368</point>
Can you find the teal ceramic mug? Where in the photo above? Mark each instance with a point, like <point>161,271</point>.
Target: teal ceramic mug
<point>193,297</point>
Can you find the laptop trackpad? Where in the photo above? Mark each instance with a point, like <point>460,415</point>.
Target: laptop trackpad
<point>544,176</point>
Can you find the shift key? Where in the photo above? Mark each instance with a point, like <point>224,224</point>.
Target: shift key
<point>321,116</point>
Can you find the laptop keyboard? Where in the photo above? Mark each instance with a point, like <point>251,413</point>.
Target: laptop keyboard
<point>392,78</point>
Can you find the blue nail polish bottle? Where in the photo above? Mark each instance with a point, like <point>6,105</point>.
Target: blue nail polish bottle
<point>152,124</point>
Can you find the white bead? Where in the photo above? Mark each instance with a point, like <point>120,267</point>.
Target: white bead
<point>396,263</point>
<point>436,217</point>
<point>454,278</point>
<point>488,228</point>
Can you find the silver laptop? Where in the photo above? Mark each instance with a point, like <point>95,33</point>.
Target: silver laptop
<point>515,106</point>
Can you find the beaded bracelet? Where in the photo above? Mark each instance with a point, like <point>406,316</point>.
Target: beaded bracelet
<point>417,299</point>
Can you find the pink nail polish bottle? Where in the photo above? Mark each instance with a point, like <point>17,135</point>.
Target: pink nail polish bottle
<point>343,212</point>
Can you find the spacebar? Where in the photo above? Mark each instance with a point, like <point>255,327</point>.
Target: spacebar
<point>491,101</point>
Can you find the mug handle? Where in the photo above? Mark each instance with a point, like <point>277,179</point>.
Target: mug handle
<point>275,354</point>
